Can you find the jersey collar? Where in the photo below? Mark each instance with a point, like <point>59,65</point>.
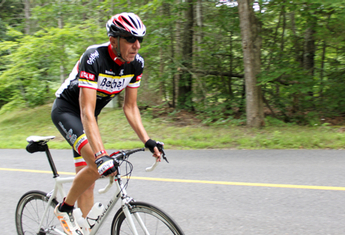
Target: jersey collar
<point>114,57</point>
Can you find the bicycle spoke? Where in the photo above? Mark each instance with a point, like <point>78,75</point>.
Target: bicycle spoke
<point>148,220</point>
<point>29,213</point>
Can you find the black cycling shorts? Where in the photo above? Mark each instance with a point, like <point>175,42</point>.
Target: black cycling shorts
<point>67,119</point>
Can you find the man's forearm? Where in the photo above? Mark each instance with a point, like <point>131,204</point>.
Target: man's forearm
<point>134,119</point>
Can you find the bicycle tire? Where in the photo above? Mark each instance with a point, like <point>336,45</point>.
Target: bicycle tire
<point>155,220</point>
<point>29,212</point>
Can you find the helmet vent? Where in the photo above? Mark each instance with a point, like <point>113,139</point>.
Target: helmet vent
<point>133,21</point>
<point>119,24</point>
<point>127,22</point>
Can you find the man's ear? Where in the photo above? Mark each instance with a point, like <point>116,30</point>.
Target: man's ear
<point>113,41</point>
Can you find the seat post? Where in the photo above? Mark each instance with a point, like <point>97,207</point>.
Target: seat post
<point>51,162</point>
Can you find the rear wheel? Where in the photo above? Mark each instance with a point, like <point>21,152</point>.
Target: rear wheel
<point>29,212</point>
<point>153,219</point>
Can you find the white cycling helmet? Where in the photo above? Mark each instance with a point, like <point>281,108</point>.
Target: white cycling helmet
<point>125,24</point>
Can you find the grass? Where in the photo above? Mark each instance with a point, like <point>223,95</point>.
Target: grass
<point>15,126</point>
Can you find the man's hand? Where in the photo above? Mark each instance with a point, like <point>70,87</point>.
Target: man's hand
<point>155,147</point>
<point>106,165</point>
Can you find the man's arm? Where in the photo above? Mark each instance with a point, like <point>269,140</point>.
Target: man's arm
<point>132,113</point>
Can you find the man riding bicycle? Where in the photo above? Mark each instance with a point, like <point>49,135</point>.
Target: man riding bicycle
<point>102,72</point>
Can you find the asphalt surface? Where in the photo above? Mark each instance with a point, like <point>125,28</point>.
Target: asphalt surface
<point>211,191</point>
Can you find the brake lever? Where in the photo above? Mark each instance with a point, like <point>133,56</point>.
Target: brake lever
<point>151,168</point>
<point>160,149</point>
<point>164,157</point>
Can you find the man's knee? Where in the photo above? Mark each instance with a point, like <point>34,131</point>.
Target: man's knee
<point>92,171</point>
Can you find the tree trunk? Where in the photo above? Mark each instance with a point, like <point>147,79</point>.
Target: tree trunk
<point>27,16</point>
<point>199,23</point>
<point>167,13</point>
<point>297,48</point>
<point>161,71</point>
<point>185,82</point>
<point>60,25</point>
<point>251,43</point>
<point>309,49</point>
<point>177,56</point>
<point>230,92</point>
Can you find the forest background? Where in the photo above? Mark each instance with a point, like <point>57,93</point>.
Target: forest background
<point>196,62</point>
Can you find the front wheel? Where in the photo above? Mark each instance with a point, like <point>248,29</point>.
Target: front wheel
<point>146,217</point>
<point>29,212</point>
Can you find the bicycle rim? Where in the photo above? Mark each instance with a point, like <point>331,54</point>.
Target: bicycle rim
<point>155,221</point>
<point>29,212</point>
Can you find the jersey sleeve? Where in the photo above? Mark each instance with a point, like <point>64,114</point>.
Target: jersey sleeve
<point>88,69</point>
<point>139,68</point>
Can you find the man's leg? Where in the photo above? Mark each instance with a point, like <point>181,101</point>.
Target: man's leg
<point>67,120</point>
<point>84,180</point>
<point>86,200</point>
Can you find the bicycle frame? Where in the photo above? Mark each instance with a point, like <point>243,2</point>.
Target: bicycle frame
<point>119,193</point>
<point>120,190</point>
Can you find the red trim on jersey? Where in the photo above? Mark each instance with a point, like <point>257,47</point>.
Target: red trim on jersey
<point>114,57</point>
<point>82,145</point>
<point>80,164</point>
<point>87,87</point>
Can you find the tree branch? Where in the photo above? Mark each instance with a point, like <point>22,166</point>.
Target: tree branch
<point>2,3</point>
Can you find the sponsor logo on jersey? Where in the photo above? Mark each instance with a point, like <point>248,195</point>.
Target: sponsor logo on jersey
<point>112,83</point>
<point>109,72</point>
<point>140,59</point>
<point>88,76</point>
<point>92,57</point>
<point>121,72</point>
<point>139,77</point>
<point>69,134</point>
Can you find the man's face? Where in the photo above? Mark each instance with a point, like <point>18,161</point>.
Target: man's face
<point>128,50</point>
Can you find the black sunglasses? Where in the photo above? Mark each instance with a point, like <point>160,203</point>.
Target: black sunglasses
<point>132,39</point>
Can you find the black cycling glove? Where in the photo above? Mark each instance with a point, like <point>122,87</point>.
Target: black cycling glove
<point>106,165</point>
<point>151,144</point>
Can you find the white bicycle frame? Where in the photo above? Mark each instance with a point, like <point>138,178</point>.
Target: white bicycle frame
<point>120,193</point>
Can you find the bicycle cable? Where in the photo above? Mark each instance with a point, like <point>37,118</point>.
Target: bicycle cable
<point>128,169</point>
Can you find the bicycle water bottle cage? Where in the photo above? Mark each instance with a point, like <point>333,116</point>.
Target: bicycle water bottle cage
<point>37,143</point>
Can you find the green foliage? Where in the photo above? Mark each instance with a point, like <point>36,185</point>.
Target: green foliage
<point>16,126</point>
<point>33,64</point>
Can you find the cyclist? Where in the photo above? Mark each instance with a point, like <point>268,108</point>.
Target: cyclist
<point>102,72</point>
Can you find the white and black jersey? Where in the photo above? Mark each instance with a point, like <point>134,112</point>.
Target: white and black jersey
<point>99,69</point>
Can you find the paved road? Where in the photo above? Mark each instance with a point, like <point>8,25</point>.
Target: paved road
<point>215,191</point>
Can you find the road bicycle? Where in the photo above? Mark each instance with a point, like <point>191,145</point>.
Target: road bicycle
<point>34,212</point>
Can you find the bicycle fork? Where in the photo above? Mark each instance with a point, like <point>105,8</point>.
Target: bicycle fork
<point>126,206</point>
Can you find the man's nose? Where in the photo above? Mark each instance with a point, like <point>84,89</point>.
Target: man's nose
<point>136,44</point>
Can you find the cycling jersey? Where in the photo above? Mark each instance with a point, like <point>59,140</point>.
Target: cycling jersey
<point>96,70</point>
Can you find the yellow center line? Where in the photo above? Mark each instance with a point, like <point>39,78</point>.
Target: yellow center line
<point>201,181</point>
<point>35,171</point>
